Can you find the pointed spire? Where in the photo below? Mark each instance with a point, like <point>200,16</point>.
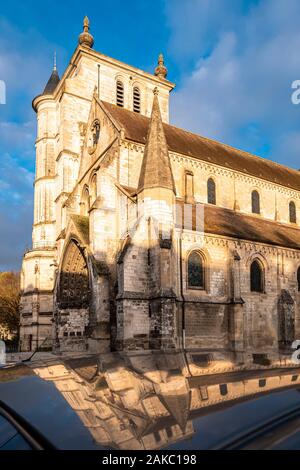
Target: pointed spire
<point>53,80</point>
<point>156,169</point>
<point>161,70</point>
<point>85,38</point>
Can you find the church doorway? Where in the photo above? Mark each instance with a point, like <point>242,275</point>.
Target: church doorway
<point>73,296</point>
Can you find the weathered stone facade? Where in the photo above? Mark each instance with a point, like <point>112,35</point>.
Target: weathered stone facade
<point>110,258</point>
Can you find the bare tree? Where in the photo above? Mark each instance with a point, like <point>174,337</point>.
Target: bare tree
<point>9,302</point>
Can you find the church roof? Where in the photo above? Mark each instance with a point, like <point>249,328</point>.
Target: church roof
<point>156,168</point>
<point>226,222</point>
<point>181,141</point>
<point>52,83</point>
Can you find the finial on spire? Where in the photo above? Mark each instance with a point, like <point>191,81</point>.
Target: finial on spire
<point>86,23</point>
<point>161,70</point>
<point>54,61</point>
<point>85,38</point>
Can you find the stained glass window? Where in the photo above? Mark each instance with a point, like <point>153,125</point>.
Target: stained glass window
<point>195,271</point>
<point>292,212</point>
<point>255,202</point>
<point>256,277</point>
<point>211,191</point>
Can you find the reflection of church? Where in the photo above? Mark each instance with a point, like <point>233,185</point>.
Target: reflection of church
<point>148,236</point>
<point>148,400</point>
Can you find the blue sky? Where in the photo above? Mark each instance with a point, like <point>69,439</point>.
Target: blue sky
<point>233,62</point>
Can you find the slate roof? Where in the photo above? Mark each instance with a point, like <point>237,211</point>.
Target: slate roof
<point>226,222</point>
<point>52,83</point>
<point>183,142</point>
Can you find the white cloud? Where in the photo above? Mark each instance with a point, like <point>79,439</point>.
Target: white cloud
<point>25,66</point>
<point>239,91</point>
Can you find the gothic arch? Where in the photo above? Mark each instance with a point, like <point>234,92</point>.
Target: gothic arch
<point>120,90</point>
<point>136,85</point>
<point>211,191</point>
<point>85,200</point>
<point>292,212</point>
<point>257,276</point>
<point>255,202</point>
<point>195,250</point>
<point>260,257</point>
<point>93,186</point>
<point>73,286</point>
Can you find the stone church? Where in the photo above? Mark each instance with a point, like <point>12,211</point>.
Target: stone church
<point>147,236</point>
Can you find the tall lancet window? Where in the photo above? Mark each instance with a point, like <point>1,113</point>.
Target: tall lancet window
<point>196,276</point>
<point>85,201</point>
<point>211,191</point>
<point>94,188</point>
<point>120,93</point>
<point>136,100</point>
<point>255,202</point>
<point>292,212</point>
<point>256,276</point>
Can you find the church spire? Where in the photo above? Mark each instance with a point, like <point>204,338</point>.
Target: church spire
<point>85,38</point>
<point>53,80</point>
<point>156,169</point>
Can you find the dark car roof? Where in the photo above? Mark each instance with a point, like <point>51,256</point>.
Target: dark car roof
<point>75,406</point>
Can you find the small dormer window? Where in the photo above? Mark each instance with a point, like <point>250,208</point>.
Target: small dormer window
<point>136,100</point>
<point>120,94</point>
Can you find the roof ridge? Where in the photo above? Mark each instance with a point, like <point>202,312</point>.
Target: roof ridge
<point>223,144</point>
<point>233,151</point>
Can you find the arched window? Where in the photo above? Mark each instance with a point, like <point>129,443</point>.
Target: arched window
<point>256,276</point>
<point>298,279</point>
<point>93,187</point>
<point>85,201</point>
<point>255,202</point>
<point>292,212</point>
<point>73,289</point>
<point>211,191</point>
<point>196,271</point>
<point>136,100</point>
<point>120,93</point>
